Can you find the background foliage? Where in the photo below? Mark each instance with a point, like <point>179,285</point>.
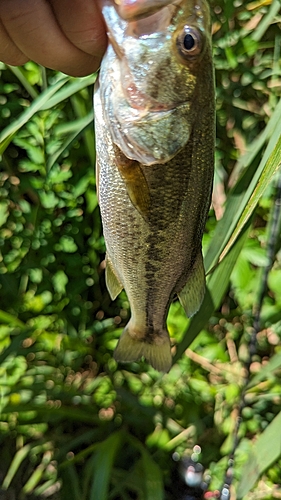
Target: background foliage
<point>73,423</point>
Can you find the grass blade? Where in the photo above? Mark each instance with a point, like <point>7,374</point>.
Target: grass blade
<point>81,126</point>
<point>216,287</point>
<point>80,108</point>
<point>10,319</point>
<point>103,464</point>
<point>34,479</point>
<point>267,21</point>
<point>152,475</point>
<point>267,371</point>
<point>255,147</point>
<point>254,193</point>
<point>266,451</point>
<point>244,197</point>
<point>74,85</point>
<point>18,72</point>
<point>16,462</point>
<point>71,485</point>
<point>8,133</point>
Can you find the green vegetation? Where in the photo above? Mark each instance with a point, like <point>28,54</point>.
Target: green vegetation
<point>74,424</point>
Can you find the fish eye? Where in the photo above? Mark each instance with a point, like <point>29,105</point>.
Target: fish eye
<point>189,42</point>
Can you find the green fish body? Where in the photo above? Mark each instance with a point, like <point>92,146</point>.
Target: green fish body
<point>154,119</point>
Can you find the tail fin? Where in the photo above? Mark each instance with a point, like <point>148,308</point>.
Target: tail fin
<point>157,351</point>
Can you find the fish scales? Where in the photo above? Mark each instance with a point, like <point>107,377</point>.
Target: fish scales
<point>154,211</point>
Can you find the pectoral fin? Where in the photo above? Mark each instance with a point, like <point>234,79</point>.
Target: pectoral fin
<point>136,184</point>
<point>112,282</point>
<point>192,294</point>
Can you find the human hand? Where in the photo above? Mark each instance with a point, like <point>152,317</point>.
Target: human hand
<point>65,35</point>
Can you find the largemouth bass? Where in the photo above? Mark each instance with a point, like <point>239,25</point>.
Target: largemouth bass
<point>154,119</point>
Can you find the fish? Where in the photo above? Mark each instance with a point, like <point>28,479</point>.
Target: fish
<point>155,134</point>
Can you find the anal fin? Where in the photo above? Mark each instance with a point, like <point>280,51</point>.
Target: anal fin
<point>112,282</point>
<point>192,294</point>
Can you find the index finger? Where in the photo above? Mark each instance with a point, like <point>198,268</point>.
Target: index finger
<point>33,28</point>
<point>82,23</point>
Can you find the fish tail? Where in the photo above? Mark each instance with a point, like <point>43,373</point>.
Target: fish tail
<point>155,348</point>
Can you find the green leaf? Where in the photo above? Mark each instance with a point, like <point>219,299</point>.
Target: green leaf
<point>19,73</point>
<point>266,371</point>
<point>82,185</point>
<point>67,244</point>
<point>71,487</point>
<point>60,281</point>
<point>103,464</point>
<point>10,319</point>
<point>255,191</point>
<point>266,450</point>
<point>16,462</point>
<point>152,474</point>
<point>243,198</point>
<point>255,147</point>
<point>152,477</point>
<point>40,490</point>
<point>58,175</point>
<point>74,85</point>
<point>231,57</point>
<point>35,153</point>
<point>8,133</point>
<point>34,479</point>
<point>266,21</point>
<point>48,199</point>
<point>250,45</point>
<point>80,127</point>
<point>80,108</point>
<point>36,275</point>
<point>4,212</point>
